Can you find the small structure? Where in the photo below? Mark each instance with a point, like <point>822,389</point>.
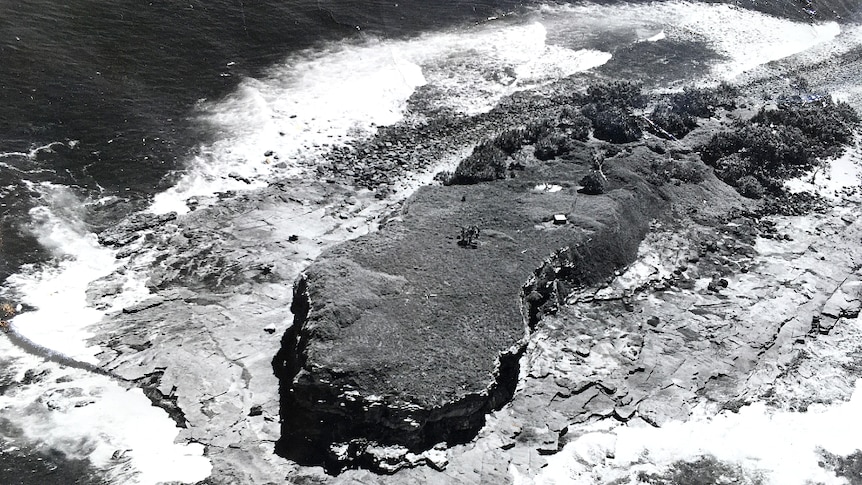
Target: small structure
<point>560,219</point>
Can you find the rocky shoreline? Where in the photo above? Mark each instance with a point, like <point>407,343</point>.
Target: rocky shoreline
<point>222,290</point>
<point>399,336</point>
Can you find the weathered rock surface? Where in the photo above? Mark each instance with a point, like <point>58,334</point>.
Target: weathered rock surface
<point>133,227</point>
<point>711,315</point>
<point>221,281</point>
<point>201,345</point>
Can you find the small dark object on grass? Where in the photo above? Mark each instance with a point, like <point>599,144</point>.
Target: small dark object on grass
<point>469,237</point>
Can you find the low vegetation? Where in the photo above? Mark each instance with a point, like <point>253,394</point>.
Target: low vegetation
<point>622,94</point>
<point>676,115</point>
<point>593,183</point>
<point>667,169</point>
<point>754,156</point>
<point>487,162</point>
<point>615,124</point>
<point>609,107</point>
<point>778,143</point>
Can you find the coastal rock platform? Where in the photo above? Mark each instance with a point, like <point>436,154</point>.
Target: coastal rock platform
<point>405,339</point>
<point>481,330</point>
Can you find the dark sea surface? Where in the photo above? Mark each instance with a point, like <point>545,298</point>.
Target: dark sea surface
<point>104,98</point>
<point>121,79</point>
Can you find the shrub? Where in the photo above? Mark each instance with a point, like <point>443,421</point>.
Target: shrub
<point>721,145</point>
<point>779,143</point>
<point>444,177</point>
<point>702,102</point>
<point>487,162</point>
<point>510,141</point>
<point>826,124</point>
<point>594,183</point>
<point>782,151</point>
<point>666,169</point>
<point>537,130</point>
<point>677,114</point>
<point>750,187</point>
<point>623,94</point>
<point>775,151</point>
<point>552,146</point>
<point>732,168</point>
<point>769,154</point>
<point>672,121</point>
<point>574,124</point>
<point>612,123</point>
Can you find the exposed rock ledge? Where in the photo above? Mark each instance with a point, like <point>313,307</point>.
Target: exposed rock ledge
<point>404,338</point>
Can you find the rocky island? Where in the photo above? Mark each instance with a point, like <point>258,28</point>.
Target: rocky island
<point>410,335</point>
<point>597,260</point>
<point>517,296</point>
<point>524,243</point>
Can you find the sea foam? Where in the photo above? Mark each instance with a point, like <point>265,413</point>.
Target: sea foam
<point>57,290</point>
<point>85,415</point>
<point>88,416</point>
<point>316,99</point>
<point>783,447</point>
<point>281,123</point>
<point>744,38</point>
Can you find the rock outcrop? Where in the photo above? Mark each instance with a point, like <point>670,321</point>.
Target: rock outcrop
<point>404,338</point>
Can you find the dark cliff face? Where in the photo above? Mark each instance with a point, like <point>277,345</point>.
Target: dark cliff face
<point>406,338</point>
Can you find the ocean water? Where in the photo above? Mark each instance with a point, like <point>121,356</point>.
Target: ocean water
<point>111,107</point>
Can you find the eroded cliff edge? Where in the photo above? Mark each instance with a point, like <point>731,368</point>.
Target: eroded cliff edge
<point>405,337</point>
